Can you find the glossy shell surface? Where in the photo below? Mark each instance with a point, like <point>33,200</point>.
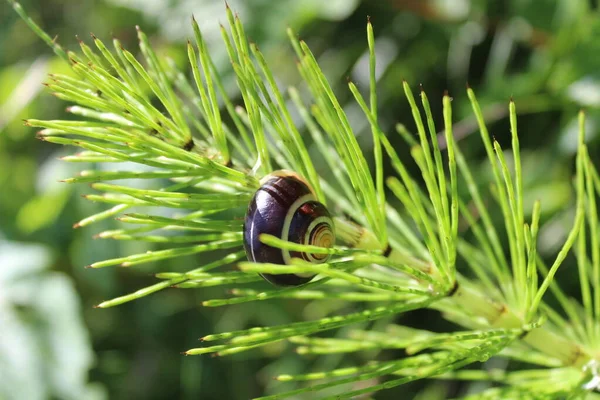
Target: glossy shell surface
<point>285,206</point>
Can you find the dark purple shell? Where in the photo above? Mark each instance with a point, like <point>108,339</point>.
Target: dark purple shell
<point>285,200</point>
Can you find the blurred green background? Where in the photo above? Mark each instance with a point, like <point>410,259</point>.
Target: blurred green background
<point>54,344</point>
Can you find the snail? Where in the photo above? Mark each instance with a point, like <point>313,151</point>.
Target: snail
<point>285,206</point>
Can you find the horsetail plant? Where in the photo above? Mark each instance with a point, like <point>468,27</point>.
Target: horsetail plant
<point>392,254</point>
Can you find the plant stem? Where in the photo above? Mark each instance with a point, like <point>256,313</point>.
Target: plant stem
<point>499,315</point>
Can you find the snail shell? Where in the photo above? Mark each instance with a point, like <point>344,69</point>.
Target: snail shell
<point>286,207</point>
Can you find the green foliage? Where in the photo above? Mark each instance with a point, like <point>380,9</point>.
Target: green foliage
<point>192,160</point>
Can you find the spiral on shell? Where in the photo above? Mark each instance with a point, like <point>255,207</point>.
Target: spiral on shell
<point>285,206</point>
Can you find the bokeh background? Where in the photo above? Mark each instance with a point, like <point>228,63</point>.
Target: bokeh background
<point>545,54</point>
